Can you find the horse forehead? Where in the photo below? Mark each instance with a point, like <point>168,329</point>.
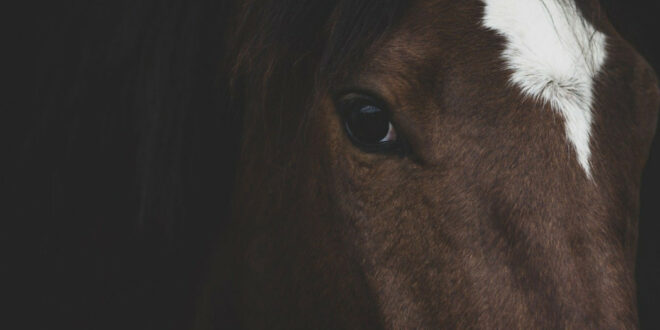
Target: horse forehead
<point>553,55</point>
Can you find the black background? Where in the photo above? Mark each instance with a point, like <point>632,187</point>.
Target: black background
<point>80,272</point>
<point>639,22</point>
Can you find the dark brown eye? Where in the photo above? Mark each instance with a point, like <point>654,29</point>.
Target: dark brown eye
<point>368,124</point>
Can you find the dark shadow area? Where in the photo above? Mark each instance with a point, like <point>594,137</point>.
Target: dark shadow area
<point>637,21</point>
<point>116,192</point>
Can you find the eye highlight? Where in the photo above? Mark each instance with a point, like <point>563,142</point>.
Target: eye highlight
<point>368,124</point>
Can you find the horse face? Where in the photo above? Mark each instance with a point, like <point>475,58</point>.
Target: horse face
<point>480,169</point>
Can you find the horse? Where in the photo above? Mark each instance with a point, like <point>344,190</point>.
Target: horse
<point>391,164</point>
<point>437,164</point>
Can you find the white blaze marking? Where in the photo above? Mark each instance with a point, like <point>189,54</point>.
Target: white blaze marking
<point>554,56</point>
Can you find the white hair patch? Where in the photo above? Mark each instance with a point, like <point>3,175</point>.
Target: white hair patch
<point>553,55</point>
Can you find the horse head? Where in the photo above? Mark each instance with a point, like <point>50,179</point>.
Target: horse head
<point>471,164</point>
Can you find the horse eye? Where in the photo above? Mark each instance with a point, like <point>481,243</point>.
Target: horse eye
<point>368,124</point>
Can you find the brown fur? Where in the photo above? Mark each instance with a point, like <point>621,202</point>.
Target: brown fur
<point>489,223</point>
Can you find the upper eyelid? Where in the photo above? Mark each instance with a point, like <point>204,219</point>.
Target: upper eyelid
<point>379,101</point>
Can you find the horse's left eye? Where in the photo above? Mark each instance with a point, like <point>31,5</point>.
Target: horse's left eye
<point>368,124</point>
